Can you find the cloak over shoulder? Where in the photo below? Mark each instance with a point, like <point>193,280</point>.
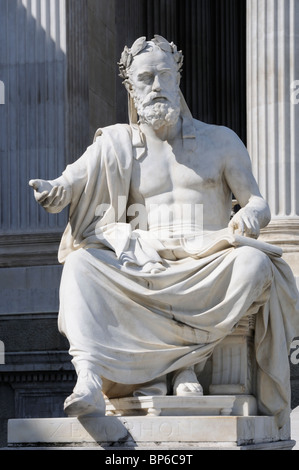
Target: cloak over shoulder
<point>100,182</point>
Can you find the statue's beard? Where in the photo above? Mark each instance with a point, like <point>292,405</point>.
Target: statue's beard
<point>159,113</point>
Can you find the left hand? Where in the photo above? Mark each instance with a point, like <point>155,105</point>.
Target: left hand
<point>246,223</point>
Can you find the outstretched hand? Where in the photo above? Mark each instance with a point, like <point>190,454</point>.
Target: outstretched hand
<point>48,196</point>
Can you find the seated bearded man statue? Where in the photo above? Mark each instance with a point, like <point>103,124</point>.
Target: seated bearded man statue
<point>156,272</point>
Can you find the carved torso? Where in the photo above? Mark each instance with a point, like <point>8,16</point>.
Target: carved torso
<point>170,174</point>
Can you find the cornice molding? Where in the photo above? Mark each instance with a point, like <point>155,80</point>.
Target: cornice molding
<point>37,249</point>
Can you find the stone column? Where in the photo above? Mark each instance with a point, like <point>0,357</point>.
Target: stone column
<point>273,116</point>
<point>32,123</point>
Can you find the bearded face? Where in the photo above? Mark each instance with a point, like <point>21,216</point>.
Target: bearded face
<point>154,81</point>
<point>157,111</point>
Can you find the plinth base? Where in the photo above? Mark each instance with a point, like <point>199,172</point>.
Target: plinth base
<point>157,423</point>
<point>150,433</point>
<point>173,406</point>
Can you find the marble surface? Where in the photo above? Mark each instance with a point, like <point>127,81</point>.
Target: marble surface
<point>295,427</point>
<point>172,406</point>
<point>169,432</point>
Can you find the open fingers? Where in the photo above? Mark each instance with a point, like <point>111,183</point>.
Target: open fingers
<point>40,197</point>
<point>53,197</point>
<point>251,226</point>
<point>245,224</point>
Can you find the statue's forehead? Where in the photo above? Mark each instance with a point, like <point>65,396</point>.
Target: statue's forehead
<point>153,59</point>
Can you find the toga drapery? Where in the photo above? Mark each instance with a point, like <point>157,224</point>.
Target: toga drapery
<point>133,323</point>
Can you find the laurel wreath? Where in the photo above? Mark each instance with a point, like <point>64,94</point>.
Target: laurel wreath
<point>129,53</point>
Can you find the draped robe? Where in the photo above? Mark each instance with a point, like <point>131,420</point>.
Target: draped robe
<point>133,324</point>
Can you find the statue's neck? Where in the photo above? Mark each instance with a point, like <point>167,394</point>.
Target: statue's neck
<point>165,133</point>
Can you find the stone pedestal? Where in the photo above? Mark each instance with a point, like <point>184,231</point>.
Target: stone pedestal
<point>233,370</point>
<point>193,423</point>
<point>171,406</point>
<point>150,433</point>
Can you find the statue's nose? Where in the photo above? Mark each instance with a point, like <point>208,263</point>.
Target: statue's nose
<point>156,84</point>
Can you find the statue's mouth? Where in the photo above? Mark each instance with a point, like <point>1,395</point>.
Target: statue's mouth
<point>159,98</point>
<point>154,98</point>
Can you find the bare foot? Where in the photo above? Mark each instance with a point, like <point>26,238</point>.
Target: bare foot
<point>87,397</point>
<point>186,384</point>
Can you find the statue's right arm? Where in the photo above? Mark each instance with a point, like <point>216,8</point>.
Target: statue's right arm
<point>55,195</point>
<point>52,195</point>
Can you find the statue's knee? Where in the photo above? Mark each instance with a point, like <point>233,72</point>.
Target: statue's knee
<point>257,266</point>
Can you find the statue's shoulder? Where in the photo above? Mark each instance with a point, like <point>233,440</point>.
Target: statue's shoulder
<point>221,135</point>
<point>213,130</point>
<point>114,130</point>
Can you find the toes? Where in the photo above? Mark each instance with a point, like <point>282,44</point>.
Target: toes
<point>186,389</point>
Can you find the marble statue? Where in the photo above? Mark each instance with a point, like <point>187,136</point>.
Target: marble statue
<point>156,272</point>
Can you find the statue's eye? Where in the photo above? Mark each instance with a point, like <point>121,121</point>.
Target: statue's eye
<point>148,78</point>
<point>165,74</point>
<point>145,77</point>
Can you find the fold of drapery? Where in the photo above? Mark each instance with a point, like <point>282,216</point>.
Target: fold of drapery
<point>168,271</point>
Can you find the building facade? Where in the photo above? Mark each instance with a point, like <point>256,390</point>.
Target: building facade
<point>59,82</point>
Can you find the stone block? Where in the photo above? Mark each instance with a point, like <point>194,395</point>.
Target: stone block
<point>295,427</point>
<point>171,406</point>
<point>133,432</point>
<point>29,289</point>
<point>233,362</point>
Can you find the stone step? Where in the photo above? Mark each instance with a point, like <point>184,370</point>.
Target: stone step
<point>149,432</point>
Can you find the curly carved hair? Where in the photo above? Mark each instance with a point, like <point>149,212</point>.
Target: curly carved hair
<point>139,45</point>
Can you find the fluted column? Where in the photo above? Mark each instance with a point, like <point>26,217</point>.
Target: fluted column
<point>273,115</point>
<point>33,69</point>
<point>45,119</point>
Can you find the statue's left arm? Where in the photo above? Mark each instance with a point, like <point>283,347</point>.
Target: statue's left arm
<point>254,213</point>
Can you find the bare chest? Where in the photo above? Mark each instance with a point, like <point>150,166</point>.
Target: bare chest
<point>167,169</point>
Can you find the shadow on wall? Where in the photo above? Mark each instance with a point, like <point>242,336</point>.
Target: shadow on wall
<point>32,120</point>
